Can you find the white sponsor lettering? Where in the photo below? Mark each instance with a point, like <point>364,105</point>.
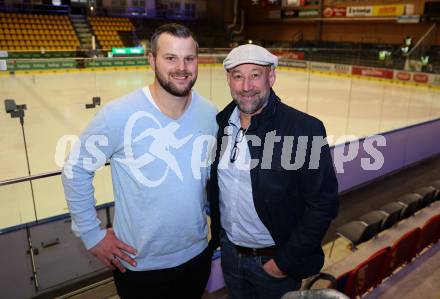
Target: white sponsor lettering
<point>376,155</point>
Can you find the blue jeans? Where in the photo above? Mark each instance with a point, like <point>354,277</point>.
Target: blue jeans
<point>245,277</point>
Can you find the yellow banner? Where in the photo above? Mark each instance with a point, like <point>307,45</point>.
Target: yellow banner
<point>388,10</point>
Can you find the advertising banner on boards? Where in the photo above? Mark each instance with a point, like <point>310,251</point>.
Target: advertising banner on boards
<point>372,72</point>
<point>331,12</point>
<point>360,11</point>
<point>394,10</point>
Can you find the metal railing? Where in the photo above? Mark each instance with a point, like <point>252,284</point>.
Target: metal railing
<point>420,49</point>
<point>33,177</point>
<point>29,178</point>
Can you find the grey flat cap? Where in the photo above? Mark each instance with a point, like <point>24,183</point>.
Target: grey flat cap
<point>249,54</point>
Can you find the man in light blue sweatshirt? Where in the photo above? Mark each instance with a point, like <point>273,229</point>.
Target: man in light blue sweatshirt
<point>158,141</point>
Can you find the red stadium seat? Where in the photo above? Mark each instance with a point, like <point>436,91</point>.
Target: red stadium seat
<point>368,274</point>
<point>404,249</point>
<point>430,233</point>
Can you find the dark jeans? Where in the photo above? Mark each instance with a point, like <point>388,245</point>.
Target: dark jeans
<point>185,281</point>
<point>245,277</point>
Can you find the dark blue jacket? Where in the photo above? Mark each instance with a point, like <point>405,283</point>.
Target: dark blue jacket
<point>296,206</point>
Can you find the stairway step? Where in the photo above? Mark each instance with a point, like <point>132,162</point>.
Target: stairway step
<point>77,17</point>
<point>78,20</point>
<point>83,30</point>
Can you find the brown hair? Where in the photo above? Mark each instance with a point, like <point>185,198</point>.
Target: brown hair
<point>174,29</point>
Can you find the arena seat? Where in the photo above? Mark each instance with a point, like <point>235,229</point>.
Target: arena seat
<point>107,30</point>
<point>411,202</point>
<point>430,233</point>
<point>374,218</point>
<point>404,250</point>
<point>368,274</point>
<point>392,212</point>
<point>358,232</point>
<point>21,32</point>
<point>428,194</point>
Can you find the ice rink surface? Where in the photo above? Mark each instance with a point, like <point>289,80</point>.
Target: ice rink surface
<point>56,107</point>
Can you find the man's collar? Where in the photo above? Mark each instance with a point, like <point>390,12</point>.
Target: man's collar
<point>234,119</point>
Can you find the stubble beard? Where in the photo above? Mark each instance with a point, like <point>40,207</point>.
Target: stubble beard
<point>256,104</point>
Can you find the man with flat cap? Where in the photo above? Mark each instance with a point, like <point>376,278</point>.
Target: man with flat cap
<point>273,188</point>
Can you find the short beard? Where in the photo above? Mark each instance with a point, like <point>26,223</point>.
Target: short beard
<point>262,101</point>
<point>169,87</point>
